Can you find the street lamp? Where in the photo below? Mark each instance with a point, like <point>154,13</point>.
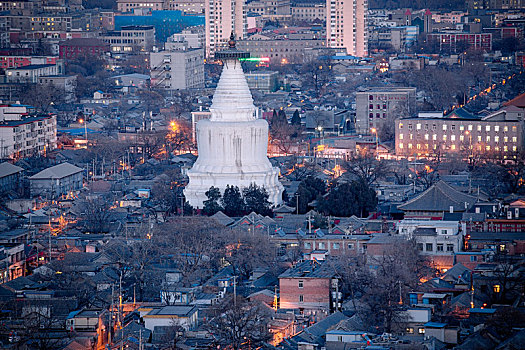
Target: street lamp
<point>82,121</point>
<point>374,131</point>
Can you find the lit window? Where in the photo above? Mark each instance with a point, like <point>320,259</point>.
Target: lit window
<point>444,137</point>
<point>487,128</point>
<point>461,137</point>
<point>514,148</point>
<point>401,146</point>
<point>470,127</point>
<point>505,139</point>
<point>426,136</point>
<point>434,137</point>
<point>453,147</point>
<point>400,136</point>
<point>401,125</point>
<point>505,128</point>
<point>514,128</point>
<point>497,288</point>
<point>514,139</point>
<point>505,148</point>
<point>461,128</point>
<point>496,138</point>
<point>444,127</point>
<point>418,126</point>
<point>452,137</point>
<point>418,146</point>
<point>409,146</point>
<point>487,148</point>
<point>488,138</point>
<point>479,138</point>
<point>479,127</point>
<point>421,330</point>
<point>496,128</point>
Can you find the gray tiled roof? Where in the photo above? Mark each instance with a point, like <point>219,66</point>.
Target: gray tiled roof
<point>439,197</point>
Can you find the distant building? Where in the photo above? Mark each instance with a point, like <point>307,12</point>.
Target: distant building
<point>130,5</point>
<point>270,9</point>
<point>22,61</point>
<point>10,176</point>
<point>309,11</point>
<point>265,81</point>
<point>31,73</point>
<point>188,6</point>
<point>461,132</point>
<point>454,42</point>
<point>280,50</point>
<point>310,287</point>
<point>224,17</point>
<point>379,105</point>
<point>177,69</point>
<point>56,181</point>
<point>194,37</point>
<point>74,48</point>
<point>130,39</point>
<point>23,135</point>
<point>184,315</point>
<point>346,26</point>
<point>433,203</point>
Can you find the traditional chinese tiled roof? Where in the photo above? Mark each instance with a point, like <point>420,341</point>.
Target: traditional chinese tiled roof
<point>439,197</point>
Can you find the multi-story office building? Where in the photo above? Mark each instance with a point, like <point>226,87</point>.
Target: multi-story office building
<point>177,68</point>
<point>308,12</point>
<point>224,17</point>
<point>23,135</point>
<point>378,105</point>
<point>130,5</point>
<point>279,50</point>
<point>130,39</point>
<point>453,42</point>
<point>346,25</point>
<point>193,36</point>
<point>461,132</point>
<point>188,6</point>
<point>31,73</point>
<point>270,9</point>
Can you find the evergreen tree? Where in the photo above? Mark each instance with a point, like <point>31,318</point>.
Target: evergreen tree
<point>232,201</point>
<point>309,189</point>
<point>349,198</point>
<point>211,205</point>
<point>296,118</point>
<point>256,200</point>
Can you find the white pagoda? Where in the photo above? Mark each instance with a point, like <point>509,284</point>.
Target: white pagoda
<point>232,144</point>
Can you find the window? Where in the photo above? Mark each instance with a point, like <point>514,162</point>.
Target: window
<point>444,232</point>
<point>307,245</point>
<point>479,138</point>
<point>421,330</point>
<point>418,126</point>
<point>450,247</point>
<point>400,136</point>
<point>409,146</point>
<point>429,247</point>
<point>505,128</point>
<point>444,137</point>
<point>444,127</point>
<point>461,138</point>
<point>461,128</point>
<point>439,247</point>
<point>321,245</point>
<point>301,284</point>
<point>400,146</point>
<point>453,127</point>
<point>473,258</point>
<point>487,128</point>
<point>335,246</point>
<point>497,288</point>
<point>453,137</point>
<point>514,128</point>
<point>496,128</point>
<point>514,139</point>
<point>434,137</point>
<point>426,136</point>
<point>350,246</point>
<point>301,298</point>
<point>496,138</point>
<point>488,138</point>
<point>505,139</point>
<point>409,126</point>
<point>479,127</point>
<point>470,127</point>
<point>420,246</point>
<point>410,330</point>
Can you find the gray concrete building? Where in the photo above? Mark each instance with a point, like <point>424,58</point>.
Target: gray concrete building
<point>178,67</point>
<point>379,105</point>
<point>56,181</point>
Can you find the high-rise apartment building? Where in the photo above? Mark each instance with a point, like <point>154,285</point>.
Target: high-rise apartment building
<point>222,18</point>
<point>346,26</point>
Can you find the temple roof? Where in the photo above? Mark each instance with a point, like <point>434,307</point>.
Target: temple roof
<point>439,197</point>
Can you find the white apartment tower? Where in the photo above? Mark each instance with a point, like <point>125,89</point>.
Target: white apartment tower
<point>346,26</point>
<point>222,18</point>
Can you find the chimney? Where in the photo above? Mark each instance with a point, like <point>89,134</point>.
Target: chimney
<point>451,209</point>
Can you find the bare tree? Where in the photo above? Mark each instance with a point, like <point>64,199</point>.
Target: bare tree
<point>96,215</point>
<point>239,324</point>
<point>366,168</point>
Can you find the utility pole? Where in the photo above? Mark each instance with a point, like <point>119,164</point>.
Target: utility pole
<point>297,203</point>
<point>234,290</point>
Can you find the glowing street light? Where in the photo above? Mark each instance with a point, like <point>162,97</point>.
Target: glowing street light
<point>374,131</point>
<point>82,121</point>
